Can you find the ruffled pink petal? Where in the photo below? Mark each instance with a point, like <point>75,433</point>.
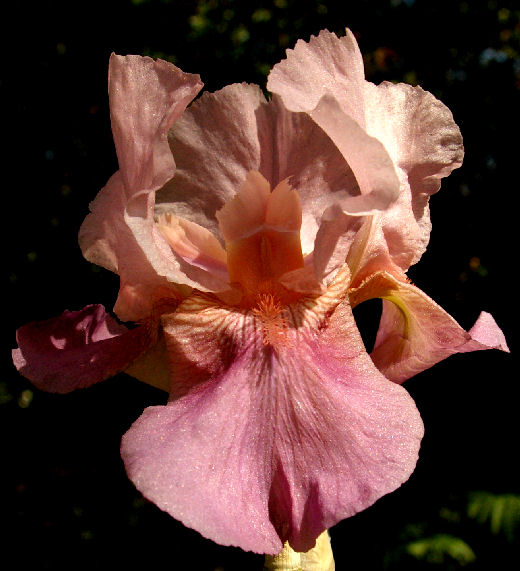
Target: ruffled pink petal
<point>225,135</point>
<point>425,144</point>
<point>418,132</point>
<point>215,145</point>
<point>270,437</point>
<point>325,78</point>
<point>146,97</point>
<point>305,155</point>
<point>77,349</point>
<point>415,133</point>
<point>415,332</point>
<point>325,64</point>
<point>366,156</point>
<point>106,240</point>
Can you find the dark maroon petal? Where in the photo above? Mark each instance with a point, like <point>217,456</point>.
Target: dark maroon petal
<point>77,349</point>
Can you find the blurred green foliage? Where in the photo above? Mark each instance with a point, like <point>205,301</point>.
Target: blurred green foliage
<point>500,511</point>
<point>439,549</point>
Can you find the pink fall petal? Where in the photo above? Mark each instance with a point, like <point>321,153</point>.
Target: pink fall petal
<point>415,333</point>
<point>263,444</point>
<point>77,349</point>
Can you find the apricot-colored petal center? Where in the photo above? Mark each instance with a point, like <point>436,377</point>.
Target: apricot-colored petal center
<point>262,233</point>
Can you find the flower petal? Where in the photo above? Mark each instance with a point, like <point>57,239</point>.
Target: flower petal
<point>366,156</point>
<point>415,332</point>
<point>146,97</point>
<point>194,244</point>
<point>77,349</point>
<point>106,240</point>
<point>325,78</point>
<point>419,133</point>
<point>296,148</point>
<point>334,240</point>
<point>390,124</point>
<point>225,135</point>
<point>215,145</point>
<point>485,334</point>
<point>425,144</point>
<point>267,443</point>
<point>325,64</point>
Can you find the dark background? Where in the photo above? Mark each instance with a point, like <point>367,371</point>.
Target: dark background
<point>67,503</point>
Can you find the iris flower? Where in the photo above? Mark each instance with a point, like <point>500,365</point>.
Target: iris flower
<point>244,231</point>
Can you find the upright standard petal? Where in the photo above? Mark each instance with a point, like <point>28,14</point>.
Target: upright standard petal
<point>279,425</point>
<point>225,135</point>
<point>146,97</point>
<point>398,139</point>
<point>424,142</point>
<point>78,349</point>
<point>415,332</point>
<point>325,78</point>
<point>325,64</point>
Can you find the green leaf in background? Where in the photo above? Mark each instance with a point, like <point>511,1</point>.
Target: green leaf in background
<point>441,548</point>
<point>502,511</point>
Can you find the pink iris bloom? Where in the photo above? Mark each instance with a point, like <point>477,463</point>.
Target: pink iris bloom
<point>244,231</point>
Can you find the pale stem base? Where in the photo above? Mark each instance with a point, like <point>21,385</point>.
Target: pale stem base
<point>319,558</point>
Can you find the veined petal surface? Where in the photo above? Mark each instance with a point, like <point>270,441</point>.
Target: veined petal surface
<point>278,426</point>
